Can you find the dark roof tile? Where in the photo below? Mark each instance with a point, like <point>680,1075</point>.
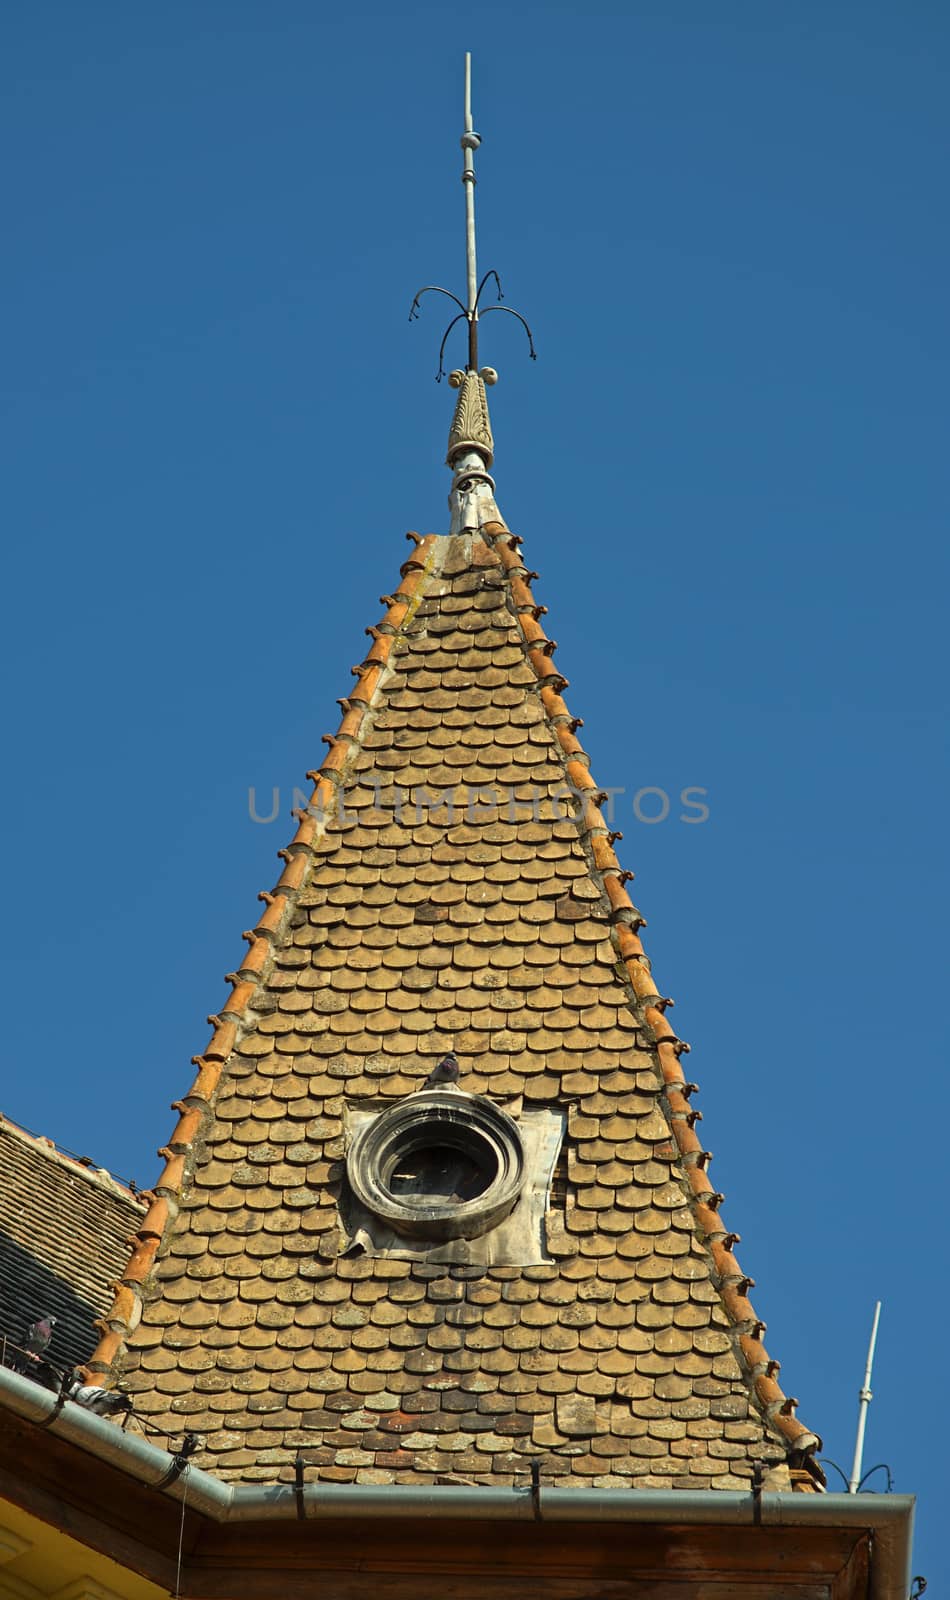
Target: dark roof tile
<point>64,1241</point>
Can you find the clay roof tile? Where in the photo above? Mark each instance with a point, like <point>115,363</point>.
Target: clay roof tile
<point>452,884</point>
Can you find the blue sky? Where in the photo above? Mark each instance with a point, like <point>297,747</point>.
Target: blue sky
<point>727,226</point>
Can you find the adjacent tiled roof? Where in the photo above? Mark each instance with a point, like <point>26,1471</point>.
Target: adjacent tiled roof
<point>64,1241</point>
<point>505,933</point>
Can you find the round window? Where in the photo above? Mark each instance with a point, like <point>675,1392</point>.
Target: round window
<point>438,1165</point>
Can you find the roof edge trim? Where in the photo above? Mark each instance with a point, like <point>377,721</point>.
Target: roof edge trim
<point>889,1517</point>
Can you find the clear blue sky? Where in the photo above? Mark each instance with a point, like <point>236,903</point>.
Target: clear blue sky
<point>727,225</point>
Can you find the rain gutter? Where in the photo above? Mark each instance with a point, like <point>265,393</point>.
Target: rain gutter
<point>888,1518</point>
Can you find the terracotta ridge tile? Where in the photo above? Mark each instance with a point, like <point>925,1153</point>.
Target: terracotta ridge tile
<point>648,1005</point>
<point>235,1018</point>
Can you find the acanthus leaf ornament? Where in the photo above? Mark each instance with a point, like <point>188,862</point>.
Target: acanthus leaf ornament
<point>471,425</point>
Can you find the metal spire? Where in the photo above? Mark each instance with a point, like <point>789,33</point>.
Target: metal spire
<point>472,309</point>
<point>864,1400</point>
<point>470,143</point>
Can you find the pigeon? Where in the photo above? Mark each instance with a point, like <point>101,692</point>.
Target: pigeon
<point>35,1343</point>
<point>444,1073</point>
<point>104,1402</point>
<point>38,1335</point>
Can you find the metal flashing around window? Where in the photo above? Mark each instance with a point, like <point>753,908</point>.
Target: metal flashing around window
<point>450,1177</point>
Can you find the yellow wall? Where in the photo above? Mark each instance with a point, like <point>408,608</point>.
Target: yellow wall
<point>39,1563</point>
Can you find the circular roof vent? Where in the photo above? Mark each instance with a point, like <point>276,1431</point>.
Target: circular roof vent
<point>439,1165</point>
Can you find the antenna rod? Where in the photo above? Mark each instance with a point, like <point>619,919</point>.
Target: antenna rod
<point>469,313</point>
<point>470,143</point>
<point>864,1400</point>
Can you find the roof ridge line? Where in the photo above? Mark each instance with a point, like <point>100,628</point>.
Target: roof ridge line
<point>624,918</point>
<point>195,1107</point>
<point>101,1177</point>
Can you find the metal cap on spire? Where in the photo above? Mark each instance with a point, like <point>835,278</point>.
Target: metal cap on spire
<point>471,429</point>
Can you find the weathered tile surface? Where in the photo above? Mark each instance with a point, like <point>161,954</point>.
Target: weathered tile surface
<point>64,1241</point>
<point>488,916</point>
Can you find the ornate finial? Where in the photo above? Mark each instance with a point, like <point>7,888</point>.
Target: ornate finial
<point>471,448</point>
<point>473,309</point>
<point>471,425</point>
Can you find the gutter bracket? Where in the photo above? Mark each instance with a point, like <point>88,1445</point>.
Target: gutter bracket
<point>298,1489</point>
<point>62,1396</point>
<point>179,1462</point>
<point>536,1489</point>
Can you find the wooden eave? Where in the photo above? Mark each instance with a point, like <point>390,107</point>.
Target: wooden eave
<point>385,1557</point>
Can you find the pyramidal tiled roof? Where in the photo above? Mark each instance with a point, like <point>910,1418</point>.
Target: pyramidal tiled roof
<point>452,886</point>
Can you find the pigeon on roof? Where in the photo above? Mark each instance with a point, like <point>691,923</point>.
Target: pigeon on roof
<point>444,1072</point>
<point>104,1402</point>
<point>36,1341</point>
<point>38,1335</point>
